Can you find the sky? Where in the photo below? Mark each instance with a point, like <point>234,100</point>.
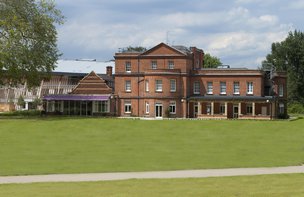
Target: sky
<point>239,32</point>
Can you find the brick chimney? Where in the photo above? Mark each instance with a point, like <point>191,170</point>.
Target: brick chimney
<point>109,71</point>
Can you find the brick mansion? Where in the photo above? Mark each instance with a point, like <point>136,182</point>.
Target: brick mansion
<point>162,82</point>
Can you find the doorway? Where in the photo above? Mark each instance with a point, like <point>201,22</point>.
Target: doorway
<point>158,110</point>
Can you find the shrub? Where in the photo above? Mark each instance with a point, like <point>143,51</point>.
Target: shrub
<point>295,108</point>
<point>22,113</point>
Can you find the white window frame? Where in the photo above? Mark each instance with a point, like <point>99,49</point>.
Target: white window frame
<point>158,85</point>
<point>153,64</point>
<point>98,106</point>
<point>222,108</point>
<point>209,87</point>
<point>147,107</point>
<point>172,85</point>
<point>147,85</point>
<point>128,86</point>
<point>236,86</point>
<point>281,90</point>
<point>249,108</point>
<point>128,67</point>
<point>196,87</point>
<point>281,108</point>
<point>128,107</point>
<point>250,87</point>
<point>223,87</point>
<point>172,107</point>
<point>170,64</point>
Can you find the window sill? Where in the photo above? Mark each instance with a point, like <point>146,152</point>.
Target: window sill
<point>249,94</point>
<point>159,91</point>
<point>173,91</point>
<point>127,112</point>
<point>128,91</point>
<point>236,94</point>
<point>197,93</point>
<point>223,93</point>
<point>209,93</point>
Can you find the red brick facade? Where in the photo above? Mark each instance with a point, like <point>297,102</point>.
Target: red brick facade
<point>170,81</point>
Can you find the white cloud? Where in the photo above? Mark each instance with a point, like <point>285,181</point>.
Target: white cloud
<point>296,5</point>
<point>237,33</point>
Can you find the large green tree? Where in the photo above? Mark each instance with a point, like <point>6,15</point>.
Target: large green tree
<point>288,56</point>
<point>28,40</point>
<point>211,61</point>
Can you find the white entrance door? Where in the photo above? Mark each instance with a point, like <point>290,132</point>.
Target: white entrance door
<point>158,110</point>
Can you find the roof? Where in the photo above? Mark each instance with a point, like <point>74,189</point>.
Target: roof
<point>92,84</point>
<point>83,66</point>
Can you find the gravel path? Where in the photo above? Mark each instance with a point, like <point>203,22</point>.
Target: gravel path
<point>150,175</point>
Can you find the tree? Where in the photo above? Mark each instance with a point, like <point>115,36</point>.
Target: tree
<point>288,56</point>
<point>211,61</point>
<point>136,49</point>
<point>28,36</point>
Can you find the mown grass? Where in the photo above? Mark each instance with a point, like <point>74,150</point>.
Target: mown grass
<point>63,145</point>
<point>266,185</point>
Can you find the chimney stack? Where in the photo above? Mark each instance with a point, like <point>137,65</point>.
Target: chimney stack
<point>109,71</point>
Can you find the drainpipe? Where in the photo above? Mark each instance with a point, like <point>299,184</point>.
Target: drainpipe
<point>138,87</point>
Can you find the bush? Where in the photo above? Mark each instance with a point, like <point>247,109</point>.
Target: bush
<point>22,113</point>
<point>295,108</point>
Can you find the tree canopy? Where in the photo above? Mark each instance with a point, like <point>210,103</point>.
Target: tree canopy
<point>288,56</point>
<point>28,40</point>
<point>211,61</point>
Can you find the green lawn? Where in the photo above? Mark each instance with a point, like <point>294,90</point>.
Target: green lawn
<point>46,146</point>
<point>268,186</point>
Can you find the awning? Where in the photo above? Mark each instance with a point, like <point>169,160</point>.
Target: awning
<point>75,97</point>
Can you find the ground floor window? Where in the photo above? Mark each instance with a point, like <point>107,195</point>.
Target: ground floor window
<point>147,108</point>
<point>128,107</point>
<point>172,107</point>
<point>208,109</point>
<point>55,106</point>
<point>222,108</point>
<point>249,108</point>
<point>101,106</point>
<point>281,108</point>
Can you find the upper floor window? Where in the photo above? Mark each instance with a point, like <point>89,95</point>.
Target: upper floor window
<point>171,64</point>
<point>128,86</point>
<point>196,87</point>
<point>209,88</point>
<point>172,107</point>
<point>236,87</point>
<point>128,66</point>
<point>281,90</point>
<point>222,87</point>
<point>154,64</point>
<point>158,85</point>
<point>172,85</point>
<point>249,87</point>
<point>147,85</point>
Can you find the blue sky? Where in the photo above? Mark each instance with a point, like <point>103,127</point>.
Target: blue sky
<point>239,32</point>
